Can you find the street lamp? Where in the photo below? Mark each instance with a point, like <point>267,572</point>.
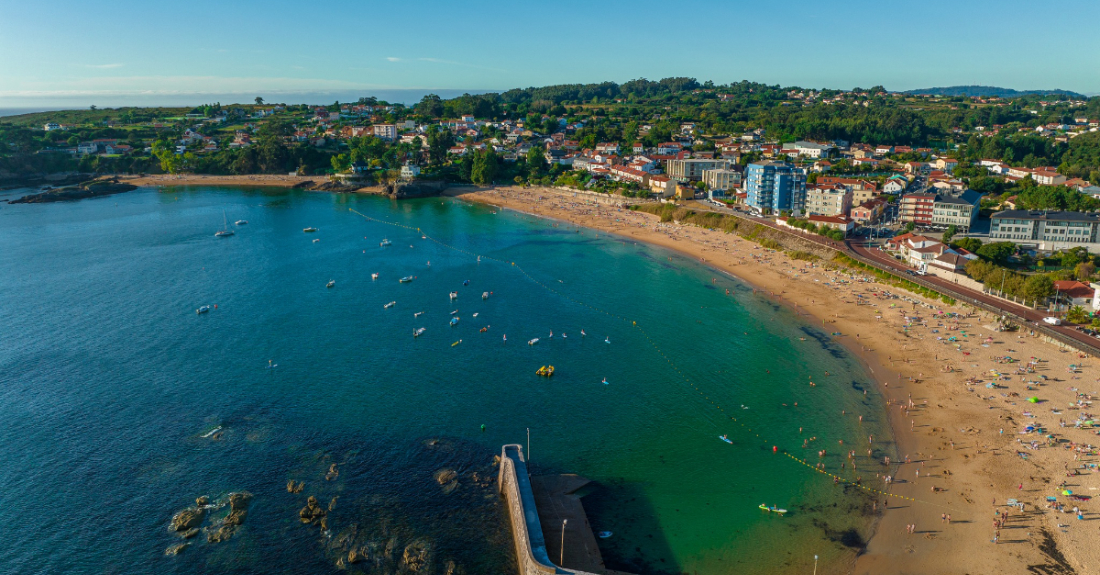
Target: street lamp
<point>561,560</point>
<point>815,564</point>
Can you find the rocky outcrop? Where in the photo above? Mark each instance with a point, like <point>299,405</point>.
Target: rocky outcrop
<point>91,189</point>
<point>405,190</point>
<point>175,549</point>
<point>312,513</point>
<point>238,511</point>
<point>187,519</point>
<point>292,487</point>
<point>333,473</point>
<point>415,557</point>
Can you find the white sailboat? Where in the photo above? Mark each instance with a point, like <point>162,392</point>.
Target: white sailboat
<point>225,231</point>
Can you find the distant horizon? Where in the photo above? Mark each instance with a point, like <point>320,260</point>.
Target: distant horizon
<point>10,106</point>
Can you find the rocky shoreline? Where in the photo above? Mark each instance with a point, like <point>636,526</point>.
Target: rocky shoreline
<point>90,189</point>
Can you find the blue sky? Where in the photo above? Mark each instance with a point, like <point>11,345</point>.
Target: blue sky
<point>125,51</point>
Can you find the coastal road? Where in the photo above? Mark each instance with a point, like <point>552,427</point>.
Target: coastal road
<point>860,250</point>
<point>1033,317</point>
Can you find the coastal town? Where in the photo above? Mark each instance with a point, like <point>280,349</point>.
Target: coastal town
<point>950,243</point>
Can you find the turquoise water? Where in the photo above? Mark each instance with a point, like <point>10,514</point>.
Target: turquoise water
<point>109,382</point>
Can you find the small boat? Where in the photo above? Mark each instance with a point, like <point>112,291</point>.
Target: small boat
<point>583,334</point>
<point>406,279</point>
<point>241,222</point>
<point>271,364</point>
<point>309,230</point>
<point>330,283</point>
<point>374,276</point>
<point>454,295</point>
<point>545,371</point>
<point>484,295</point>
<point>726,439</point>
<point>389,305</point>
<point>454,312</point>
<point>225,231</point>
<point>316,240</point>
<point>456,343</point>
<point>484,329</point>
<point>533,341</point>
<point>604,534</point>
<point>608,340</point>
<point>419,332</point>
<point>385,242</point>
<point>604,381</point>
<point>475,314</point>
<point>203,309</point>
<point>773,509</point>
<point>505,338</point>
<point>466,282</point>
<point>417,314</point>
<point>454,321</point>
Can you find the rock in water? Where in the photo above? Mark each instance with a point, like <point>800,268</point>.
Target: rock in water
<point>202,501</point>
<point>333,473</point>
<point>445,476</point>
<point>175,549</point>
<point>415,557</point>
<point>188,518</point>
<point>239,500</point>
<point>312,513</point>
<point>189,533</point>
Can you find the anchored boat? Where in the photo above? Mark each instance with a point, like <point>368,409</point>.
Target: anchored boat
<point>545,371</point>
<point>406,279</point>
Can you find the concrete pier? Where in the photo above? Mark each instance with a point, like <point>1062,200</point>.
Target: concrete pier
<point>556,500</point>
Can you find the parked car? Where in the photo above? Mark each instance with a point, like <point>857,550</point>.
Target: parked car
<point>1052,320</point>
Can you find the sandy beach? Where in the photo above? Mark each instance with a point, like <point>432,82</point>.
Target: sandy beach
<point>283,181</point>
<point>987,492</point>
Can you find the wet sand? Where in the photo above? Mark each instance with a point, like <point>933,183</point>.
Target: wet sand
<point>967,448</point>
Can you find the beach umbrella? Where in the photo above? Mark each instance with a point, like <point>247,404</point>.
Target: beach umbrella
<point>1067,492</point>
<point>1033,399</point>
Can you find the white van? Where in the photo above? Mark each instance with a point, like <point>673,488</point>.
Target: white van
<point>1052,320</point>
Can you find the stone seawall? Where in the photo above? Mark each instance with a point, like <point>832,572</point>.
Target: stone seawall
<point>515,486</point>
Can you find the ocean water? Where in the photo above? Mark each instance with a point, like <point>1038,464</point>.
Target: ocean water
<point>111,384</point>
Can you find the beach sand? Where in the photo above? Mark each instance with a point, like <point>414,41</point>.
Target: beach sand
<point>952,431</point>
<point>283,181</point>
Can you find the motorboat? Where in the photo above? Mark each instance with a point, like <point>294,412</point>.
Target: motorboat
<point>309,230</point>
<point>484,295</point>
<point>385,242</point>
<point>533,341</point>
<point>454,295</point>
<point>315,240</point>
<point>241,222</point>
<point>203,309</point>
<point>417,314</point>
<point>389,305</point>
<point>406,279</point>
<point>419,332</point>
<point>466,282</point>
<point>454,321</point>
<point>374,276</point>
<point>330,283</point>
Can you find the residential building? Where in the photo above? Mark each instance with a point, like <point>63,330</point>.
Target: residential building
<point>722,179</point>
<point>386,132</point>
<point>628,174</point>
<point>868,212</point>
<point>409,171</point>
<point>828,200</point>
<point>917,208</point>
<point>663,186</point>
<point>841,223</point>
<point>691,169</point>
<point>947,165</point>
<point>51,126</point>
<point>809,149</point>
<point>1048,177</point>
<point>941,210</point>
<point>774,186</point>
<point>895,186</point>
<point>959,210</point>
<point>1072,292</point>
<point>1046,230</point>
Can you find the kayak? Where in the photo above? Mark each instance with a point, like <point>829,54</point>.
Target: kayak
<point>726,439</point>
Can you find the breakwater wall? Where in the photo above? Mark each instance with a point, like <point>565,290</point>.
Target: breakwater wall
<point>515,487</point>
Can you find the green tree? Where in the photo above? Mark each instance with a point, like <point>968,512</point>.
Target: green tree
<point>1038,288</point>
<point>969,244</point>
<point>259,101</point>
<point>1084,270</point>
<point>484,169</point>
<point>909,227</point>
<point>997,252</point>
<point>1077,314</point>
<point>950,233</point>
<point>440,141</point>
<point>340,162</point>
